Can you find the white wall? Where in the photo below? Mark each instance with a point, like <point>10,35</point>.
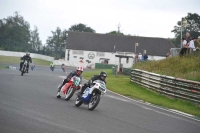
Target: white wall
<point>113,60</point>
<point>20,54</point>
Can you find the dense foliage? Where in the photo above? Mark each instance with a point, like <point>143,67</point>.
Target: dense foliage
<point>193,27</point>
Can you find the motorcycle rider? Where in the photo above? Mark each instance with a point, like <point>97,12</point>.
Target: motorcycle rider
<point>28,59</point>
<point>77,73</point>
<point>63,67</point>
<point>102,76</point>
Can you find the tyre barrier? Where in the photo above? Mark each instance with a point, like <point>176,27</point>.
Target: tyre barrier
<point>166,85</point>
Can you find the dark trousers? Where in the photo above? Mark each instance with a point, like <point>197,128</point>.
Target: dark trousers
<point>183,51</point>
<point>84,87</point>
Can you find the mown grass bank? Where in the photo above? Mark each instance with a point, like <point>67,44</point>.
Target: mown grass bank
<point>122,85</point>
<point>186,67</point>
<point>16,60</point>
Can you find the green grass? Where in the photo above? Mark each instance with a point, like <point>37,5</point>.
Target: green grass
<point>16,60</point>
<point>3,67</point>
<point>122,85</point>
<point>186,67</point>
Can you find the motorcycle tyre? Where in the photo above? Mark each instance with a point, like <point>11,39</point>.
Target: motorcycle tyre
<point>23,70</point>
<point>78,102</point>
<point>71,94</point>
<point>95,104</point>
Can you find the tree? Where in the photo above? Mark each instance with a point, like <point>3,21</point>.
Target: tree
<point>193,27</point>
<point>115,33</point>
<point>35,41</point>
<point>57,42</point>
<point>81,28</point>
<point>14,33</point>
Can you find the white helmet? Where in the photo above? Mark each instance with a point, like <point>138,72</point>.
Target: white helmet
<point>80,68</point>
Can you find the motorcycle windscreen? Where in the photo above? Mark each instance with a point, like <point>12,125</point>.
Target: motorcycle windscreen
<point>86,95</point>
<point>65,87</point>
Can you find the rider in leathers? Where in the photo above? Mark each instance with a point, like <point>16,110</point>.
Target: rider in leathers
<point>102,76</point>
<point>25,57</point>
<point>77,73</point>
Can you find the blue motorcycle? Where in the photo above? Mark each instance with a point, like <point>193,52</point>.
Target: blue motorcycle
<point>92,95</point>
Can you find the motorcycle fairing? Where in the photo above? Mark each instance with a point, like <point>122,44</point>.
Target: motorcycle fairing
<point>86,95</point>
<point>65,87</point>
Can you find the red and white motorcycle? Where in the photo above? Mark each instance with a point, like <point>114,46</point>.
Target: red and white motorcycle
<point>67,91</point>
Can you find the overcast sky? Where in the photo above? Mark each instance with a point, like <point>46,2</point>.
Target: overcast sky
<point>150,18</point>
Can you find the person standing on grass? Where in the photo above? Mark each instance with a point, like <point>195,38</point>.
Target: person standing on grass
<point>184,46</point>
<point>140,57</point>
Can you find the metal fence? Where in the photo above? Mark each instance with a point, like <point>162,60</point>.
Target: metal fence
<point>170,86</point>
<point>175,51</point>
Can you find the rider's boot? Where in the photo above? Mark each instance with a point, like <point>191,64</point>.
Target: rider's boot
<point>59,88</point>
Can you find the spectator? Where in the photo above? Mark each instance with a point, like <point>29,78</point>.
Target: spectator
<point>191,45</point>
<point>184,47</point>
<point>188,38</point>
<point>140,57</point>
<point>136,58</point>
<point>168,54</point>
<point>197,43</point>
<point>145,57</point>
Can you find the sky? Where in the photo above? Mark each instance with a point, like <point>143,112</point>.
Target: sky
<point>148,18</point>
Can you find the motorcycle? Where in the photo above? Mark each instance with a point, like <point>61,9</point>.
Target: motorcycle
<point>52,68</point>
<point>91,96</point>
<point>69,88</point>
<point>63,68</point>
<point>24,68</point>
<point>32,67</point>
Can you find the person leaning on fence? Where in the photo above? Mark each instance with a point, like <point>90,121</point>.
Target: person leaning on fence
<point>184,46</point>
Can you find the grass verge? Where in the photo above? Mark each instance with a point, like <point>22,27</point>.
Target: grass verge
<point>16,60</point>
<point>3,67</point>
<point>122,85</point>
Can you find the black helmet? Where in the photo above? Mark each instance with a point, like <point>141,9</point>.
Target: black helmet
<point>103,75</point>
<point>27,54</point>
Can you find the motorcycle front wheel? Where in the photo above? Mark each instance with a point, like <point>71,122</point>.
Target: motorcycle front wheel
<point>23,70</point>
<point>78,102</point>
<point>69,93</point>
<point>94,101</point>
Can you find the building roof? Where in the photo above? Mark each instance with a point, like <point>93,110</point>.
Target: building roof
<point>112,43</point>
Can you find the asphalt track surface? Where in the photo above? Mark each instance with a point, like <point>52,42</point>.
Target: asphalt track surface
<point>28,104</point>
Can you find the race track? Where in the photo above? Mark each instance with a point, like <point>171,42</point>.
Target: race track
<point>28,104</point>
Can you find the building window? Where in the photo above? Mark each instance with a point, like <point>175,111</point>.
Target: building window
<point>100,54</point>
<point>78,52</point>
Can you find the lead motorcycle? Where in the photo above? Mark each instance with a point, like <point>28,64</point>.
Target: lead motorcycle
<point>69,88</point>
<point>24,68</point>
<point>92,95</point>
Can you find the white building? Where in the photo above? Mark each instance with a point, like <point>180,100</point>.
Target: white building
<point>86,49</point>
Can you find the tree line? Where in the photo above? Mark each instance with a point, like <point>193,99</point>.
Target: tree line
<point>16,35</point>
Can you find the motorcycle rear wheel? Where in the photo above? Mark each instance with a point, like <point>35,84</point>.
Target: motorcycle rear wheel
<point>94,101</point>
